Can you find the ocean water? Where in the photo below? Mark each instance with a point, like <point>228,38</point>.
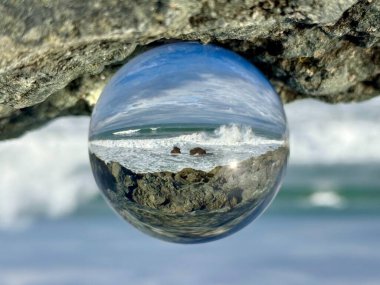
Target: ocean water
<point>277,249</point>
<point>323,227</point>
<point>147,149</point>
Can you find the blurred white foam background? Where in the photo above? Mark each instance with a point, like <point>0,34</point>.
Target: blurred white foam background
<point>329,134</point>
<point>46,172</point>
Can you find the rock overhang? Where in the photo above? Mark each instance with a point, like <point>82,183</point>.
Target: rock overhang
<point>56,56</point>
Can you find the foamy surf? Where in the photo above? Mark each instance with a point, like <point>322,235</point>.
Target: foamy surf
<point>227,144</point>
<point>226,135</point>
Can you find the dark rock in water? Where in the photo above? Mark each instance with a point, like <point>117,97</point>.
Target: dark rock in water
<point>197,151</point>
<point>175,150</point>
<point>192,205</point>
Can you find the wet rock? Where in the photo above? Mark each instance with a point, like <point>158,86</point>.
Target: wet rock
<point>197,151</point>
<point>191,189</point>
<point>193,205</point>
<point>176,150</point>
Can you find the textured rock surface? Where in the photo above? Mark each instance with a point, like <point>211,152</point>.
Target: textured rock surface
<point>192,204</point>
<point>56,56</point>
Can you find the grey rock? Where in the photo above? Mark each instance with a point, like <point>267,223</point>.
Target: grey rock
<point>56,56</point>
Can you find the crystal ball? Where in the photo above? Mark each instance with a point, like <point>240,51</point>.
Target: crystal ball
<point>188,142</point>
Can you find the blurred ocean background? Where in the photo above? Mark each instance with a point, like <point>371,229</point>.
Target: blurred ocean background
<point>323,227</point>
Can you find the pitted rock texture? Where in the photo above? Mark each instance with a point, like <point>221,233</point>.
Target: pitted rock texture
<point>191,189</point>
<point>56,56</point>
<point>192,205</point>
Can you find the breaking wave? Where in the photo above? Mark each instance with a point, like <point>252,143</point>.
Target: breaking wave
<point>60,179</point>
<point>45,173</point>
<point>127,132</point>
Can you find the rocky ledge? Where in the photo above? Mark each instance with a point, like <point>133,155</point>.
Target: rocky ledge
<point>56,56</point>
<point>192,204</point>
<point>191,189</point>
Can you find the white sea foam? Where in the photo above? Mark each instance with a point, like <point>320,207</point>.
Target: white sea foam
<point>45,173</point>
<point>126,132</point>
<point>227,144</point>
<point>326,199</point>
<point>321,133</point>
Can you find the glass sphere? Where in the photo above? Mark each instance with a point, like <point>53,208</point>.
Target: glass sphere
<point>188,142</point>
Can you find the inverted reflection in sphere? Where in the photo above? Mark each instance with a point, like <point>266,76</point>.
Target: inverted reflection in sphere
<point>188,142</point>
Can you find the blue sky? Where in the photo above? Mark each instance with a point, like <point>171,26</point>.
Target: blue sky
<point>187,83</point>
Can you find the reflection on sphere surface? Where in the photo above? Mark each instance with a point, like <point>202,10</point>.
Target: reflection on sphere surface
<point>188,142</point>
